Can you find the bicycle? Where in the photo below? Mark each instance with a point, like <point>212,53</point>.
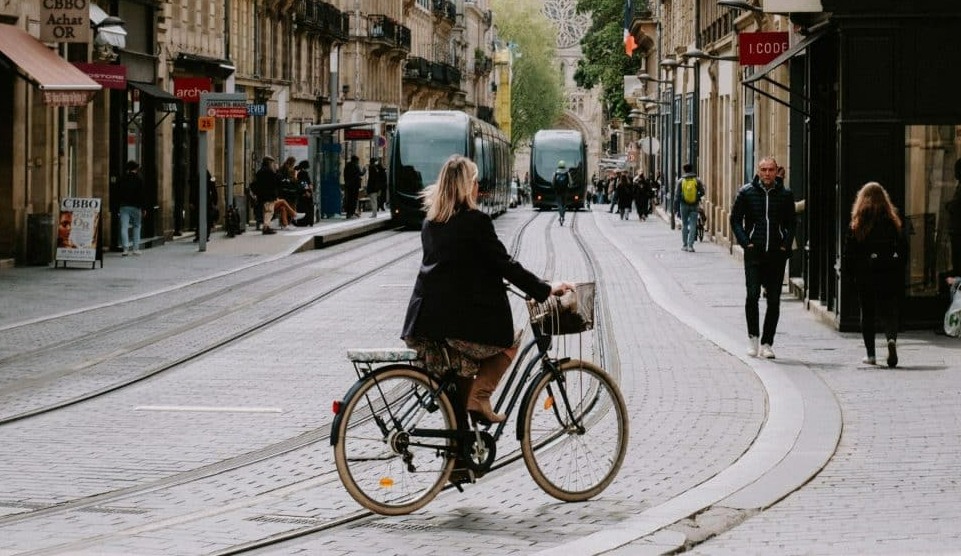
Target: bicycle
<point>399,431</point>
<point>701,223</point>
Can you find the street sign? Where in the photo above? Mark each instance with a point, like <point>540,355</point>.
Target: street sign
<point>222,110</point>
<point>388,114</point>
<point>205,123</point>
<point>381,141</point>
<point>358,134</point>
<point>223,105</point>
<point>256,109</point>
<point>757,49</point>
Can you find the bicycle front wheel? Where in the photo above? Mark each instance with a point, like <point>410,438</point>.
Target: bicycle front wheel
<point>384,464</point>
<point>575,431</point>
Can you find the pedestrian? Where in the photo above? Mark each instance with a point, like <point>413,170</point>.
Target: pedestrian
<point>561,182</point>
<point>305,198</point>
<point>763,221</point>
<point>459,304</point>
<point>876,252</point>
<point>131,193</point>
<point>612,193</point>
<point>376,184</point>
<point>688,192</point>
<point>625,196</point>
<point>213,213</point>
<point>352,176</point>
<point>267,188</point>
<point>641,198</point>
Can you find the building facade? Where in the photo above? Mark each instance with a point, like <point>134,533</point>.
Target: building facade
<point>583,111</point>
<point>297,63</point>
<point>855,95</point>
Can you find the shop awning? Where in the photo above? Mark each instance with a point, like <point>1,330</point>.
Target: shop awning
<point>752,81</point>
<point>109,29</point>
<point>153,91</point>
<point>61,83</point>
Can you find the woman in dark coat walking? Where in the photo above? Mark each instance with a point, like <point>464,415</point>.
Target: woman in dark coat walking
<point>625,196</point>
<point>876,250</point>
<point>459,303</point>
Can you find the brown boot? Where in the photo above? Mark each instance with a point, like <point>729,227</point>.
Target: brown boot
<point>479,399</point>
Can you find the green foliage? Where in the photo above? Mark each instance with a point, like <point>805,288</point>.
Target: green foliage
<point>605,63</point>
<point>537,89</point>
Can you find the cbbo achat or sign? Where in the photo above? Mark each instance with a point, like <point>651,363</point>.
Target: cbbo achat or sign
<point>65,21</point>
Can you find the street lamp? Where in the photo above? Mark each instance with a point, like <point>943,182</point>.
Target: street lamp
<point>652,100</point>
<point>646,77</point>
<point>671,63</point>
<point>698,54</point>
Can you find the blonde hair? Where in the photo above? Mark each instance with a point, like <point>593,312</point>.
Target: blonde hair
<point>871,204</point>
<point>454,190</point>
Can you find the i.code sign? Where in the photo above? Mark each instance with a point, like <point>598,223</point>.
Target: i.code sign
<point>757,49</point>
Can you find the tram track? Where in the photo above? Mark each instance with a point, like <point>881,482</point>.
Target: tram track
<point>602,325</point>
<point>172,334</point>
<point>286,446</point>
<point>32,328</point>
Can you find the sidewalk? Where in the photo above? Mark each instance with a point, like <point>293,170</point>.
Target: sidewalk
<point>900,440</point>
<point>37,292</point>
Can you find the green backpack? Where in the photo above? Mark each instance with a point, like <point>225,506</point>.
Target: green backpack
<point>689,190</point>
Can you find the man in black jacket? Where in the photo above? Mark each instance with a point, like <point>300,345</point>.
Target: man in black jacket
<point>763,221</point>
<point>266,188</point>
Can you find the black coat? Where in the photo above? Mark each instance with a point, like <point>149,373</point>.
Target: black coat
<point>377,181</point>
<point>131,191</point>
<point>459,292</point>
<point>266,185</point>
<point>872,260</point>
<point>764,217</point>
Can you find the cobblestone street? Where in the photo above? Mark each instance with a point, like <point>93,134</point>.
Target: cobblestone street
<point>229,446</point>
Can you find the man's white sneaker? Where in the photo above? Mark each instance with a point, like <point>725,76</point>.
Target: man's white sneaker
<point>869,360</point>
<point>752,346</point>
<point>767,352</point>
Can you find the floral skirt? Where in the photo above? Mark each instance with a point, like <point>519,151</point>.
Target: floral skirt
<point>464,356</point>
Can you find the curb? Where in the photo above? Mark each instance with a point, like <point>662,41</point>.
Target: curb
<point>799,436</point>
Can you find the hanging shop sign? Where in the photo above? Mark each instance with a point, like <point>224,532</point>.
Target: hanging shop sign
<point>757,49</point>
<point>78,230</point>
<point>189,89</point>
<point>110,76</point>
<point>64,21</point>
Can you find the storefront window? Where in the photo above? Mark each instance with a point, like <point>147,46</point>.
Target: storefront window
<point>932,164</point>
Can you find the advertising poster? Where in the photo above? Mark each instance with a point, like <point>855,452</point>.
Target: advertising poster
<point>78,228</point>
<point>296,146</point>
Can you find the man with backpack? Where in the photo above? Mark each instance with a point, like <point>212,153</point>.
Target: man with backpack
<point>561,182</point>
<point>687,198</point>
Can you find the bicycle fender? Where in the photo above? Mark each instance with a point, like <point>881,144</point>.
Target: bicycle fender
<point>528,399</point>
<point>345,401</point>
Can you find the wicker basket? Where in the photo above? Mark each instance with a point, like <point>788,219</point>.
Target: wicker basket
<point>571,313</point>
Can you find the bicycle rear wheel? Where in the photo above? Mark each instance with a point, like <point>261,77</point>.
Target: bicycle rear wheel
<point>383,466</point>
<point>576,431</point>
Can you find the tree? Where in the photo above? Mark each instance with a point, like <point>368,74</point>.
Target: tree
<point>605,63</point>
<point>537,89</point>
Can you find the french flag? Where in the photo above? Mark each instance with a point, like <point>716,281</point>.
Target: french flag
<point>629,44</point>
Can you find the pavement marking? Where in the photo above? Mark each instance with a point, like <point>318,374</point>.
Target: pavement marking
<point>774,444</point>
<point>208,409</point>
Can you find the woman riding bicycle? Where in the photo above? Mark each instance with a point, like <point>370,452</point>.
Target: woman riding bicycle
<point>459,304</point>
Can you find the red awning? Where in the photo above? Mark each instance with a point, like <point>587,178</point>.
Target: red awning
<point>61,83</point>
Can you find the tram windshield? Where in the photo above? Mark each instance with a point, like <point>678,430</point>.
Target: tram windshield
<point>548,151</point>
<point>424,146</point>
